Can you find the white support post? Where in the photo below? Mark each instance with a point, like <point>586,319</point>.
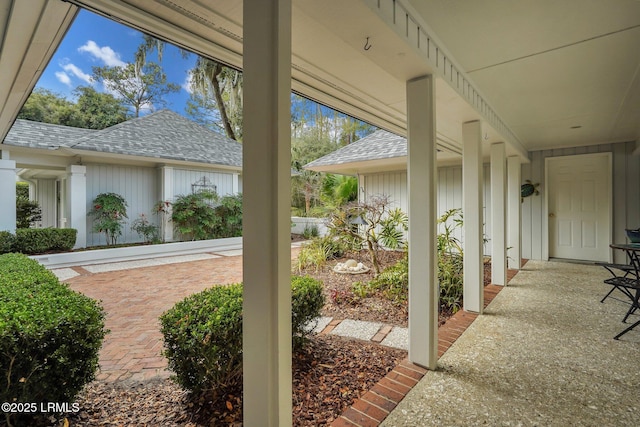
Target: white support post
<point>267,395</point>
<point>166,194</point>
<point>514,215</point>
<point>498,214</point>
<point>472,179</point>
<point>7,194</point>
<point>421,168</point>
<point>77,202</point>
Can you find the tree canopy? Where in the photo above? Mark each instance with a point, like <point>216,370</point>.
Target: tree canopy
<point>138,87</point>
<point>92,109</point>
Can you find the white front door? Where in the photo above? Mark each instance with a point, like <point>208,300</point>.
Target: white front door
<point>579,206</point>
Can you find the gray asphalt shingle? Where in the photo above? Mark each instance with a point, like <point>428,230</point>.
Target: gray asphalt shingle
<point>163,134</point>
<point>379,145</point>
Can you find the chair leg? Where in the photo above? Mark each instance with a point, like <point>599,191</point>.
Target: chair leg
<point>626,330</point>
<point>609,293</point>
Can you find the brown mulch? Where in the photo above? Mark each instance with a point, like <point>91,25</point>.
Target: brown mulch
<point>328,377</point>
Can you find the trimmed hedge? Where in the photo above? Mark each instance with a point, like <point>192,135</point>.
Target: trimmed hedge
<point>7,241</point>
<point>203,334</point>
<point>38,240</point>
<point>50,336</point>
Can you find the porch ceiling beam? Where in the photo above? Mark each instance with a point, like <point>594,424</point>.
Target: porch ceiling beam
<point>408,24</point>
<point>30,32</point>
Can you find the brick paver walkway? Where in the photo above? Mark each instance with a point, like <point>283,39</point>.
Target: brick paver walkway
<point>135,298</point>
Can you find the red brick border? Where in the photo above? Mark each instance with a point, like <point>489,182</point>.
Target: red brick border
<point>374,406</point>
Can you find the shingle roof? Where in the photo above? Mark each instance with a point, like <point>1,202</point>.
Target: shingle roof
<point>26,133</point>
<point>163,134</point>
<point>379,145</point>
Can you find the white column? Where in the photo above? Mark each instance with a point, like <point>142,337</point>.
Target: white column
<point>513,212</point>
<point>77,202</point>
<point>472,180</point>
<point>266,213</point>
<point>166,194</point>
<point>7,194</point>
<point>421,177</point>
<point>498,214</point>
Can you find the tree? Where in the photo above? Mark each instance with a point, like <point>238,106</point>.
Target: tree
<point>46,106</point>
<point>92,109</point>
<point>139,87</point>
<point>208,77</point>
<point>95,110</point>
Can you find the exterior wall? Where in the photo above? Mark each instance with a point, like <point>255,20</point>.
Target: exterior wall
<point>183,180</point>
<point>625,194</point>
<point>45,195</point>
<point>138,185</point>
<point>394,184</point>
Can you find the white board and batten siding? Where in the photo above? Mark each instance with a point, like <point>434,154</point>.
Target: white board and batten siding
<point>45,195</point>
<point>139,187</point>
<point>225,182</point>
<point>394,185</point>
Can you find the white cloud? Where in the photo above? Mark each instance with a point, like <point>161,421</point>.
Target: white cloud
<point>74,70</point>
<point>63,78</point>
<point>187,85</point>
<point>104,54</point>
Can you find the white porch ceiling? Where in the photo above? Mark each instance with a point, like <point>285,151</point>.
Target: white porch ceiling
<point>536,69</point>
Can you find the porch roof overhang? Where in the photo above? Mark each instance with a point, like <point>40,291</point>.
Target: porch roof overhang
<point>30,32</point>
<point>579,77</point>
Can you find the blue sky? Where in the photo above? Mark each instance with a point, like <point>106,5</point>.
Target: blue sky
<point>96,41</point>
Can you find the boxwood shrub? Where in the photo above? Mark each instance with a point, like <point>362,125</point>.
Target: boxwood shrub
<point>203,334</point>
<point>7,241</point>
<point>49,335</point>
<point>42,240</point>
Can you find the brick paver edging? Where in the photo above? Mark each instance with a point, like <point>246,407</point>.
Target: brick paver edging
<point>374,406</point>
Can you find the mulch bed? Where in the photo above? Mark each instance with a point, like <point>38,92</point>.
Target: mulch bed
<point>331,373</point>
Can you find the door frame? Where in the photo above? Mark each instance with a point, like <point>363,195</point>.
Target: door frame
<point>545,220</point>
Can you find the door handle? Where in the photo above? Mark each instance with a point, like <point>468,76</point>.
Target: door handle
<point>552,215</point>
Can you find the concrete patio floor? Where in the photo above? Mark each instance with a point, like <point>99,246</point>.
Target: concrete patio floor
<point>543,354</point>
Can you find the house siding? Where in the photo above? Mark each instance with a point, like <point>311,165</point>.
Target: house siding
<point>183,180</point>
<point>625,194</point>
<point>138,186</point>
<point>45,195</point>
<point>394,184</point>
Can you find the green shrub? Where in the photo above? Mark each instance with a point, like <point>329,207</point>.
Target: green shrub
<point>149,231</point>
<point>50,336</point>
<point>109,211</point>
<point>41,240</point>
<point>229,211</point>
<point>7,242</point>
<point>307,299</point>
<point>318,251</point>
<point>393,281</point>
<point>194,215</point>
<point>310,231</point>
<point>27,212</point>
<point>203,334</point>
